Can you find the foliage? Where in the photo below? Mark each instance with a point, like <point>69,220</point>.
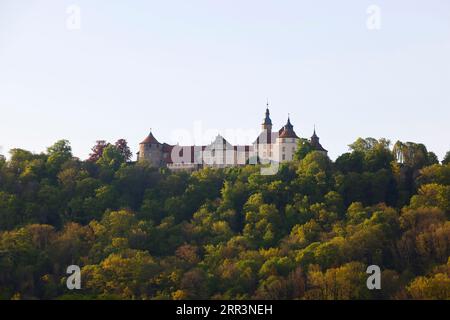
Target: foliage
<point>308,232</point>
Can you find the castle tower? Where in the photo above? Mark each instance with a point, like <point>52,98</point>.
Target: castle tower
<point>316,144</point>
<point>151,150</point>
<point>267,123</point>
<point>263,145</point>
<point>286,143</point>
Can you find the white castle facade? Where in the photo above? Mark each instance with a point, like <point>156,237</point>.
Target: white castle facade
<point>270,146</point>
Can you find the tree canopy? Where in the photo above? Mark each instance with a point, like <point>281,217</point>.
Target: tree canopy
<point>307,232</point>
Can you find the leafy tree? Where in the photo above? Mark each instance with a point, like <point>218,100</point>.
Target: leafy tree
<point>303,148</point>
<point>122,146</point>
<point>436,286</point>
<point>97,150</point>
<point>307,232</point>
<point>446,159</point>
<point>432,195</point>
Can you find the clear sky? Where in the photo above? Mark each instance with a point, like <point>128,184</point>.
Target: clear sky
<point>175,64</point>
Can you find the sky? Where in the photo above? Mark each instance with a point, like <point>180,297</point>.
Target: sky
<point>190,70</point>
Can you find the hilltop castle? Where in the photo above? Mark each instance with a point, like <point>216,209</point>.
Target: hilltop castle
<point>276,146</point>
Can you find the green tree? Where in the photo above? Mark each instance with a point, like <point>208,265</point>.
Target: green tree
<point>446,159</point>
<point>303,148</point>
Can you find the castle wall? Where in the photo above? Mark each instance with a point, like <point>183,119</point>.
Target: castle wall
<point>152,153</point>
<point>285,149</point>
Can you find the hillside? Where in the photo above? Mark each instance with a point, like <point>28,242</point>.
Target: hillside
<point>307,232</point>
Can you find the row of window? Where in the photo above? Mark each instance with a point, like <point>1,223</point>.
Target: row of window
<point>284,149</point>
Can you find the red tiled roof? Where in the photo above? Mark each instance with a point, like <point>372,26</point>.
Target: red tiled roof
<point>150,140</point>
<point>288,134</point>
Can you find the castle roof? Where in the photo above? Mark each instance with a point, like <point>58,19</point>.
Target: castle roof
<point>267,120</point>
<point>266,137</point>
<point>315,142</point>
<point>219,143</point>
<point>288,131</point>
<point>150,139</point>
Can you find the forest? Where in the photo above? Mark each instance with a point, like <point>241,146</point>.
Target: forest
<point>307,232</point>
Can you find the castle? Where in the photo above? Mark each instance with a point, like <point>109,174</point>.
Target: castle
<point>270,146</point>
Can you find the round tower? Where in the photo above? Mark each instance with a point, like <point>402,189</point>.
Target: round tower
<point>151,150</point>
<point>287,142</point>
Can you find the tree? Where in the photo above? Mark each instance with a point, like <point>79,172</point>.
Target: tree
<point>377,154</point>
<point>122,146</point>
<point>350,162</point>
<point>343,283</point>
<point>432,195</point>
<point>433,287</point>
<point>127,275</point>
<point>111,158</point>
<point>9,208</point>
<point>97,150</point>
<point>61,149</point>
<point>194,284</point>
<point>58,154</point>
<point>446,159</point>
<point>303,148</point>
<point>439,174</point>
<point>414,155</point>
<point>307,232</point>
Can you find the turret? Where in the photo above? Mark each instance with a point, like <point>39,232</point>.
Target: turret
<point>151,150</point>
<point>267,122</point>
<point>316,144</point>
<point>287,132</point>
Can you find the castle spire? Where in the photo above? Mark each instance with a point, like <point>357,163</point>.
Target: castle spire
<point>288,124</point>
<point>314,133</point>
<point>267,122</point>
<point>288,130</point>
<point>315,142</point>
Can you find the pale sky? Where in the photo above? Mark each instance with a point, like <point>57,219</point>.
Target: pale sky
<point>170,65</point>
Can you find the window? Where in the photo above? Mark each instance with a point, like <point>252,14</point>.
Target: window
<point>284,157</point>
<point>284,149</point>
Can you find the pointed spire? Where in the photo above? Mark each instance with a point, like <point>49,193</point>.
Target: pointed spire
<point>314,133</point>
<point>267,121</point>
<point>288,124</point>
<point>315,142</point>
<point>288,130</point>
